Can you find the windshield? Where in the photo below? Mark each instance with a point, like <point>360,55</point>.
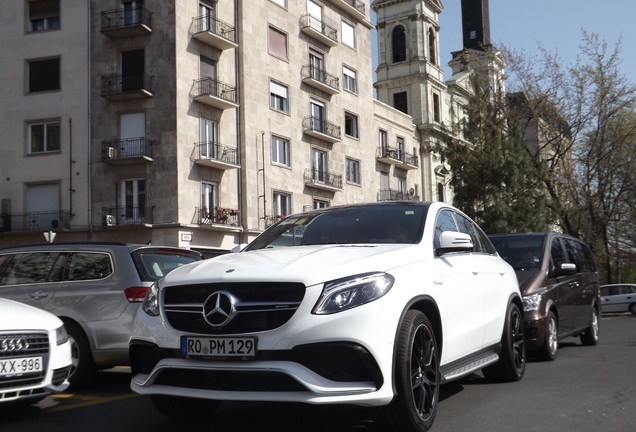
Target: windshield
<point>347,225</point>
<point>521,252</point>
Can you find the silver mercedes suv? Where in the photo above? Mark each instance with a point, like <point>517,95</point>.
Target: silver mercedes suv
<point>95,288</point>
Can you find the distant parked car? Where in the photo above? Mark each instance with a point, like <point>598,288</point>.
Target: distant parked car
<point>95,288</point>
<point>369,304</point>
<point>35,353</point>
<point>560,288</point>
<point>618,298</point>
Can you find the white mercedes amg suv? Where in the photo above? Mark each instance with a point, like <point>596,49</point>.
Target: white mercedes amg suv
<point>369,304</point>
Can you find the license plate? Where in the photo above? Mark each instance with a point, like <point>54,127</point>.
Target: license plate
<point>218,346</point>
<point>19,366</point>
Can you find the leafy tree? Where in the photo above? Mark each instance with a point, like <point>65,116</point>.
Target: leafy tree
<point>493,179</point>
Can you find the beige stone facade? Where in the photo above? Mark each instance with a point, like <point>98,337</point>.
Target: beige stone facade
<point>198,124</point>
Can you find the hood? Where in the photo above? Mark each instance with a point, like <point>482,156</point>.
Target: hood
<point>307,264</point>
<point>527,279</point>
<point>20,316</point>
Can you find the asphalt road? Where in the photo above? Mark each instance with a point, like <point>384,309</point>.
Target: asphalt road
<point>585,389</point>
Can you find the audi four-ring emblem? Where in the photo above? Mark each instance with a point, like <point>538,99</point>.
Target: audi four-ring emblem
<point>13,344</point>
<point>219,308</point>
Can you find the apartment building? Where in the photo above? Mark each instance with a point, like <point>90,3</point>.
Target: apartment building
<point>199,123</point>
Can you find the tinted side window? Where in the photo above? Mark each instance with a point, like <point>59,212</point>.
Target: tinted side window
<point>577,256</point>
<point>444,222</point>
<point>557,253</point>
<point>89,265</point>
<point>32,267</point>
<point>467,227</point>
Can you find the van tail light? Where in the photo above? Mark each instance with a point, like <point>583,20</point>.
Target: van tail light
<point>135,294</point>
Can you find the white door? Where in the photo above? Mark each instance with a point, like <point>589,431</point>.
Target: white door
<point>209,201</point>
<point>316,66</point>
<point>317,115</point>
<point>208,139</point>
<point>319,165</point>
<point>315,15</point>
<point>132,131</point>
<point>133,198</point>
<point>207,18</point>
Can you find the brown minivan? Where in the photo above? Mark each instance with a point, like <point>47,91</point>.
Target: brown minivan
<point>560,288</point>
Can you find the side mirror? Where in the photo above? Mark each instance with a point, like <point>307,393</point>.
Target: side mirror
<point>565,269</point>
<point>451,241</point>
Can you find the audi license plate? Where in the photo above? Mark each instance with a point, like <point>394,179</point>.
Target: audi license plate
<point>218,346</point>
<point>19,366</point>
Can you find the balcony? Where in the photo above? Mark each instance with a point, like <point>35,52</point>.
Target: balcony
<point>214,32</point>
<point>320,79</point>
<point>126,215</point>
<point>127,151</point>
<point>271,220</point>
<point>397,157</point>
<point>218,215</point>
<point>396,195</point>
<point>215,93</point>
<point>35,221</point>
<point>355,8</point>
<point>124,23</point>
<point>215,155</point>
<point>323,180</point>
<point>118,87</point>
<point>316,29</point>
<point>322,129</point>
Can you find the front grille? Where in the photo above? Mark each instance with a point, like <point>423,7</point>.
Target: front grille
<point>23,345</point>
<point>259,306</point>
<point>229,380</point>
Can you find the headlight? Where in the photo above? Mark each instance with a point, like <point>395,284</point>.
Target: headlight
<point>347,293</point>
<point>61,337</point>
<point>531,302</point>
<point>151,301</point>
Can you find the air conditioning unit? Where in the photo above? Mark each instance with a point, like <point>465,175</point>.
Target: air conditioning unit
<point>109,220</point>
<point>110,153</point>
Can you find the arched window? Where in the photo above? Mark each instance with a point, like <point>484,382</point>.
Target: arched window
<point>398,44</point>
<point>431,46</point>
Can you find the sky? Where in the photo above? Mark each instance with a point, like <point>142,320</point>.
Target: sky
<point>521,25</point>
<point>556,24</point>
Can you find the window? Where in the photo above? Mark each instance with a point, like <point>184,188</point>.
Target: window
<point>436,108</point>
<point>400,103</point>
<point>280,151</point>
<point>277,43</point>
<point>348,35</point>
<point>319,165</point>
<point>384,141</point>
<point>43,205</point>
<point>209,200</point>
<point>353,171</point>
<point>44,15</point>
<point>44,137</point>
<point>349,79</point>
<point>32,267</point>
<point>431,46</point>
<point>281,204</point>
<point>317,115</point>
<point>400,148</point>
<point>444,222</point>
<point>278,97</point>
<point>318,204</point>
<point>280,3</point>
<point>133,197</point>
<point>133,12</point>
<point>351,125</point>
<point>88,265</point>
<point>208,146</point>
<point>44,75</point>
<point>398,44</point>
<point>316,66</point>
<point>207,67</point>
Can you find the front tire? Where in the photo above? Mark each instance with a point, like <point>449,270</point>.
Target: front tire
<point>550,347</point>
<point>512,358</point>
<point>417,377</point>
<point>83,369</point>
<point>632,308</point>
<point>590,336</point>
<point>184,408</point>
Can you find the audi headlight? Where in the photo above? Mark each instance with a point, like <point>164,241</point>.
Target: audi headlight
<point>61,337</point>
<point>354,291</point>
<point>151,301</point>
<point>531,302</point>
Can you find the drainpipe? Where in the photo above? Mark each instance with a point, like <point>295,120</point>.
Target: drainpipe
<point>70,166</point>
<point>239,182</point>
<point>90,130</point>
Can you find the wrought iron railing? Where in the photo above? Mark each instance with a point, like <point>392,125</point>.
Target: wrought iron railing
<point>126,215</point>
<point>126,17</point>
<point>310,71</point>
<point>127,148</point>
<point>318,25</point>
<point>119,83</point>
<point>209,150</point>
<point>35,221</point>
<point>396,195</point>
<point>217,215</point>
<point>313,175</point>
<point>209,86</point>
<point>206,23</point>
<point>323,126</point>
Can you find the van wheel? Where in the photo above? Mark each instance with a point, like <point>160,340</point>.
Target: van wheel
<point>184,407</point>
<point>550,347</point>
<point>590,336</point>
<point>512,358</point>
<point>83,369</point>
<point>417,377</point>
